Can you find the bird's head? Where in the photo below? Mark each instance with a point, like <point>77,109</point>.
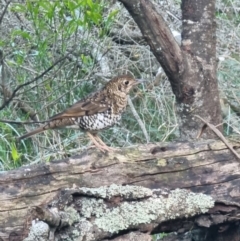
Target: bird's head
<point>122,83</point>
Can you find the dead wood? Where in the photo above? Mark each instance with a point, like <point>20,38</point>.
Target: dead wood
<point>65,195</point>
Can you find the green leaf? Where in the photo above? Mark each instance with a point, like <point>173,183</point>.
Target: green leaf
<point>90,3</point>
<point>15,154</point>
<point>17,7</point>
<point>112,14</point>
<point>71,5</point>
<point>21,33</point>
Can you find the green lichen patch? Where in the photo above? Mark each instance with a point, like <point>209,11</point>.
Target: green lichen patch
<point>126,192</point>
<point>72,215</point>
<point>155,207</point>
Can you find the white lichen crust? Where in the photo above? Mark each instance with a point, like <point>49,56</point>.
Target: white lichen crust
<point>153,208</point>
<point>98,213</point>
<point>126,192</point>
<point>38,231</point>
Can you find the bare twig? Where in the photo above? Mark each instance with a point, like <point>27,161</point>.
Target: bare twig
<point>4,11</point>
<point>23,106</point>
<point>2,84</point>
<point>137,117</point>
<point>31,81</point>
<point>219,134</point>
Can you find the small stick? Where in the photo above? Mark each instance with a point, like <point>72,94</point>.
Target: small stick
<point>219,134</point>
<point>137,117</point>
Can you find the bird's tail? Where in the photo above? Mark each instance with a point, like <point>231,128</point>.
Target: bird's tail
<point>58,123</point>
<point>31,133</point>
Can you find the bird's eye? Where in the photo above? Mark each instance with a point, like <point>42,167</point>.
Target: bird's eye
<point>126,82</point>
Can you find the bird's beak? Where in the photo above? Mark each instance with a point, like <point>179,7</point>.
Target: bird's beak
<point>139,81</point>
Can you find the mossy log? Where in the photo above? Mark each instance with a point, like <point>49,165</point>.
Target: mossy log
<point>134,192</point>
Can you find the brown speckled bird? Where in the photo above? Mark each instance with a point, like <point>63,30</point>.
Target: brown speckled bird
<point>97,111</point>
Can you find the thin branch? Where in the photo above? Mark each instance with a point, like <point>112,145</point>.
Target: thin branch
<point>157,35</point>
<point>137,117</point>
<point>4,11</point>
<point>2,84</point>
<point>23,106</point>
<point>31,81</point>
<point>219,134</point>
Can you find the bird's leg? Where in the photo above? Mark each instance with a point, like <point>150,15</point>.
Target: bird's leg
<point>103,144</point>
<point>99,143</point>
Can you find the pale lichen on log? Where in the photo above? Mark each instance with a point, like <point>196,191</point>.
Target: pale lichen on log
<point>178,203</point>
<point>97,213</point>
<point>126,192</point>
<point>38,231</point>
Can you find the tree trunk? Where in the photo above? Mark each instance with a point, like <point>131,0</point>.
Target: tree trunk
<point>155,189</point>
<point>191,67</point>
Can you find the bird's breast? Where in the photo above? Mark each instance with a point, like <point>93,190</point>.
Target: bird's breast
<point>97,121</point>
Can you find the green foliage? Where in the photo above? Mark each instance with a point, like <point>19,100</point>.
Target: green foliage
<point>52,28</point>
<point>9,155</point>
<point>15,154</point>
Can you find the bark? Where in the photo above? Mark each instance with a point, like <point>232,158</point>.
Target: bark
<point>153,188</point>
<point>191,67</point>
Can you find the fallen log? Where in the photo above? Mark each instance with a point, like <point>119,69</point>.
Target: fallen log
<point>172,186</point>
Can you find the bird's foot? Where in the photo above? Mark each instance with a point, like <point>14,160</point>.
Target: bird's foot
<point>104,149</point>
<point>100,144</point>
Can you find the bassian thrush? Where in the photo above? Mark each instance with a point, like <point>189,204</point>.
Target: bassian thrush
<point>97,111</point>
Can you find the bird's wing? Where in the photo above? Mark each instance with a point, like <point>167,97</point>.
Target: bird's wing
<point>96,104</point>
